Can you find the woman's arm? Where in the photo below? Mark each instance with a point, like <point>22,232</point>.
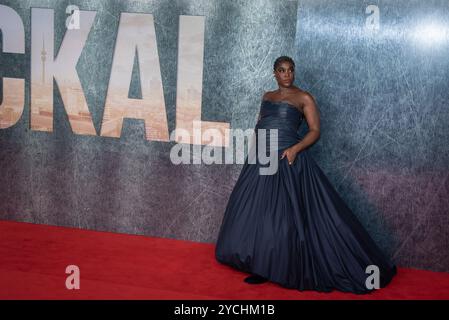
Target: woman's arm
<point>311,113</point>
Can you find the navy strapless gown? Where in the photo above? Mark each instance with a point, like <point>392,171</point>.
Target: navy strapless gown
<point>292,227</point>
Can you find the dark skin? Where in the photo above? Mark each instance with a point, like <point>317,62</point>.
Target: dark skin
<point>300,99</point>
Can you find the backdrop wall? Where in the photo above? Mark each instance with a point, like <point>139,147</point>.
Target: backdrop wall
<point>379,75</point>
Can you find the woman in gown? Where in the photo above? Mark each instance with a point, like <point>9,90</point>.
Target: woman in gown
<point>291,227</point>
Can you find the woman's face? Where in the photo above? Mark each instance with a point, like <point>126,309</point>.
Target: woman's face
<point>285,74</point>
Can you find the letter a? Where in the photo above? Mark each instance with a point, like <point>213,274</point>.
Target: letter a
<point>136,30</point>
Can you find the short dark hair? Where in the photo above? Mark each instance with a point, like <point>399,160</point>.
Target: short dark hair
<point>283,59</point>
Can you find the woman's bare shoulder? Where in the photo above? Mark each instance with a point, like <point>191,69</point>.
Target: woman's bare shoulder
<point>267,95</point>
<point>305,97</point>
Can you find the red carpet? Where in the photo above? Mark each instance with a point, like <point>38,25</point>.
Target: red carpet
<point>33,259</point>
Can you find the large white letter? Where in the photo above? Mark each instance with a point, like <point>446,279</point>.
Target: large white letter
<point>136,31</point>
<point>190,84</point>
<point>13,101</point>
<point>63,68</point>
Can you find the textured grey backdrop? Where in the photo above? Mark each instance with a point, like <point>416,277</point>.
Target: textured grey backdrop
<point>382,98</point>
<point>384,104</point>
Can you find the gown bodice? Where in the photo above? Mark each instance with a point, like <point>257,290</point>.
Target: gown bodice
<point>283,117</point>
